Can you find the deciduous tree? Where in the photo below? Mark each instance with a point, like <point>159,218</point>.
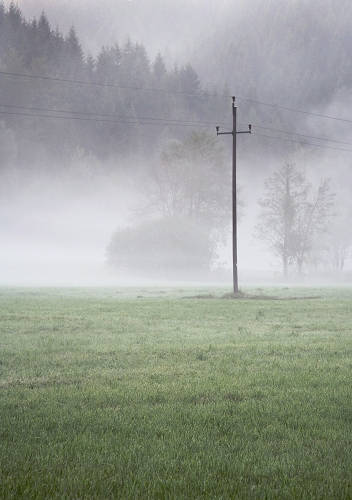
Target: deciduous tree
<point>291,215</point>
<point>191,180</point>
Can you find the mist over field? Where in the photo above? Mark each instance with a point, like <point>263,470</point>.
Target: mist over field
<point>91,159</point>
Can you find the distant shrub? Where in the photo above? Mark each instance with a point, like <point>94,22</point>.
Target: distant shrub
<point>162,245</point>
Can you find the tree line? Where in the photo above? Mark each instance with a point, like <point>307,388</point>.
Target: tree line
<point>297,53</point>
<point>108,115</point>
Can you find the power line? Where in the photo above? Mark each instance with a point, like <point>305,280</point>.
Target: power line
<point>66,80</point>
<point>109,85</point>
<point>295,110</point>
<point>296,134</point>
<point>300,142</point>
<point>162,122</point>
<point>191,124</point>
<point>302,135</point>
<point>160,119</point>
<point>104,115</point>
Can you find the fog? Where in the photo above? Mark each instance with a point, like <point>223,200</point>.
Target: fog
<point>55,234</point>
<point>163,26</point>
<point>66,186</point>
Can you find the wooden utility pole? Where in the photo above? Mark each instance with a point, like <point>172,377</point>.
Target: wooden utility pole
<point>234,191</point>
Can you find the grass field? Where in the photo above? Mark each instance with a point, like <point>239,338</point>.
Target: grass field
<point>175,393</point>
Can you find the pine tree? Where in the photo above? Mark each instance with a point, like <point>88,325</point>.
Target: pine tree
<point>74,59</point>
<point>3,29</point>
<point>15,16</point>
<point>190,84</point>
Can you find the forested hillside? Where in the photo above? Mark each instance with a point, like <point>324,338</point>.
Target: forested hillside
<point>164,26</point>
<point>94,104</point>
<point>295,53</point>
<point>109,133</point>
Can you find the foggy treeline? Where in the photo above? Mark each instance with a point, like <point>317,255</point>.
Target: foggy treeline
<point>89,117</point>
<point>297,53</point>
<point>120,118</point>
<point>291,53</point>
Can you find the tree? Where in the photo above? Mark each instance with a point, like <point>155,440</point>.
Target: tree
<point>74,57</point>
<point>107,65</point>
<point>159,69</point>
<point>134,64</point>
<point>15,16</point>
<point>8,150</point>
<point>8,154</point>
<point>192,181</point>
<point>168,244</point>
<point>292,215</point>
<point>341,242</point>
<point>336,246</point>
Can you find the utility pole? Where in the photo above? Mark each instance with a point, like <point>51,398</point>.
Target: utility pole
<point>234,191</point>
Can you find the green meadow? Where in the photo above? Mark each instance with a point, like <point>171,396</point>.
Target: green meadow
<point>171,393</point>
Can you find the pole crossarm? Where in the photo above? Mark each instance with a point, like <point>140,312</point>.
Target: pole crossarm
<point>222,133</point>
<point>234,133</point>
<point>249,131</point>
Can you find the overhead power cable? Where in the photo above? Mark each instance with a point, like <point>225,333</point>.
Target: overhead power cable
<point>136,122</point>
<point>66,80</point>
<point>156,121</point>
<point>295,110</point>
<point>300,142</point>
<point>294,134</point>
<point>163,124</point>
<point>82,82</point>
<point>104,115</point>
<point>303,135</point>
